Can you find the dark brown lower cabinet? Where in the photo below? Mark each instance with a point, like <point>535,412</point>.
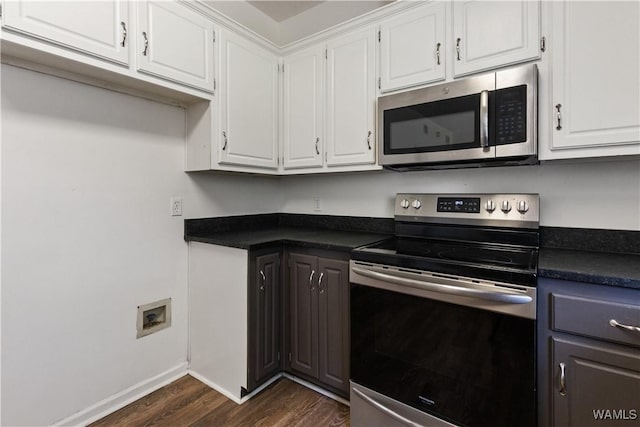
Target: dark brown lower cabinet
<point>264,317</point>
<point>319,319</point>
<point>588,355</point>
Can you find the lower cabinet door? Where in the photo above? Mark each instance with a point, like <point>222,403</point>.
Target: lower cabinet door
<point>264,309</point>
<point>333,325</point>
<point>594,384</point>
<point>304,314</point>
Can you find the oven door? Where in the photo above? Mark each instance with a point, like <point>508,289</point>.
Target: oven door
<point>444,123</point>
<point>459,364</point>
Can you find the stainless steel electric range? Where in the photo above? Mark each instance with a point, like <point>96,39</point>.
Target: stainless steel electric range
<point>443,314</point>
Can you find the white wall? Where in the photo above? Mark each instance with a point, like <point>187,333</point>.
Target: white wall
<point>86,179</point>
<point>588,194</point>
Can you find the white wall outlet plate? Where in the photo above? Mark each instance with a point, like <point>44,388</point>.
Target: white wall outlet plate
<point>176,206</point>
<point>317,204</point>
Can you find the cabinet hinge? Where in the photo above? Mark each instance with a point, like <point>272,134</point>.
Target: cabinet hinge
<point>289,356</point>
<point>379,36</point>
<point>214,84</point>
<point>543,44</point>
<point>214,36</point>
<point>326,54</point>
<point>379,83</point>
<point>325,157</point>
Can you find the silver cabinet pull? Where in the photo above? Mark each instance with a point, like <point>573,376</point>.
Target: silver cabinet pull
<point>438,53</point>
<point>615,324</point>
<point>146,43</point>
<point>384,409</point>
<point>124,33</point>
<point>558,116</point>
<point>484,120</point>
<point>224,135</point>
<point>458,48</point>
<point>264,280</point>
<point>369,140</point>
<point>320,282</point>
<point>317,141</point>
<point>563,384</point>
<point>313,272</point>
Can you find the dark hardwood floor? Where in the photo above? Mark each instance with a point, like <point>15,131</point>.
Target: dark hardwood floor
<point>188,402</point>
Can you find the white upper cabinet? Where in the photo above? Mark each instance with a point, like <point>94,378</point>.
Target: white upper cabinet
<point>412,47</point>
<point>303,99</point>
<point>176,43</point>
<point>594,104</point>
<point>99,28</point>
<point>490,34</point>
<point>248,103</point>
<point>351,99</point>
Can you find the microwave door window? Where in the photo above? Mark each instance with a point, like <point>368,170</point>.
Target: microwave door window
<point>446,125</point>
<point>438,133</point>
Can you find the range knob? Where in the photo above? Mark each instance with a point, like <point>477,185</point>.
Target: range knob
<point>490,206</point>
<point>416,204</point>
<point>404,204</point>
<point>505,206</point>
<point>522,206</point>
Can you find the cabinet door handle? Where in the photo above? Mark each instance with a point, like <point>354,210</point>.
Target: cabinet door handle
<point>320,282</point>
<point>317,141</point>
<point>264,280</point>
<point>224,135</point>
<point>369,140</point>
<point>458,48</point>
<point>563,383</point>
<point>313,272</point>
<point>146,43</point>
<point>438,53</point>
<point>124,33</point>
<point>558,117</point>
<point>615,324</point>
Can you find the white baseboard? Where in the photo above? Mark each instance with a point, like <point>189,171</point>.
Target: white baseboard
<point>317,389</point>
<point>125,397</point>
<point>229,394</point>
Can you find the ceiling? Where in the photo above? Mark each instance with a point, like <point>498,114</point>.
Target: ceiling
<point>282,10</point>
<point>284,22</point>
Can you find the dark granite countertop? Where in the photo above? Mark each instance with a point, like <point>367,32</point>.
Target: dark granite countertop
<point>601,257</point>
<point>317,231</point>
<point>598,268</point>
<point>317,238</point>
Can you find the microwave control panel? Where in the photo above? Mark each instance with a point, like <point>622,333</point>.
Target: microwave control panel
<point>511,115</point>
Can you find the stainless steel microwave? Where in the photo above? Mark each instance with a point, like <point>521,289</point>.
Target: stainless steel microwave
<point>484,120</point>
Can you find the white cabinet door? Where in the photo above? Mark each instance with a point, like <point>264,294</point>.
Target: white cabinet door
<point>351,99</point>
<point>175,43</point>
<point>303,108</point>
<point>490,34</point>
<point>100,28</point>
<point>248,104</point>
<point>412,47</point>
<point>595,105</point>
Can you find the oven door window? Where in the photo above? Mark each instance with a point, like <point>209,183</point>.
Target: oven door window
<point>468,366</point>
<point>450,124</point>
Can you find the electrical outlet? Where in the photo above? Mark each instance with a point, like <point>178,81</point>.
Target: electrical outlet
<point>176,206</point>
<point>317,206</point>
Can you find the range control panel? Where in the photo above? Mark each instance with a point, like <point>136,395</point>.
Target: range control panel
<point>512,210</point>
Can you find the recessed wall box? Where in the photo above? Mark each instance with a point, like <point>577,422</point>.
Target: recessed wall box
<point>153,317</point>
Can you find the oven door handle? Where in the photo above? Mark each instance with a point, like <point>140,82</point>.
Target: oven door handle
<point>499,296</point>
<point>384,409</point>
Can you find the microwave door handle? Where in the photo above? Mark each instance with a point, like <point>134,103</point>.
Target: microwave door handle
<point>484,120</point>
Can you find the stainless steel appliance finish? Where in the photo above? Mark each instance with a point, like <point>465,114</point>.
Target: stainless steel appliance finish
<point>421,129</point>
<point>443,314</point>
